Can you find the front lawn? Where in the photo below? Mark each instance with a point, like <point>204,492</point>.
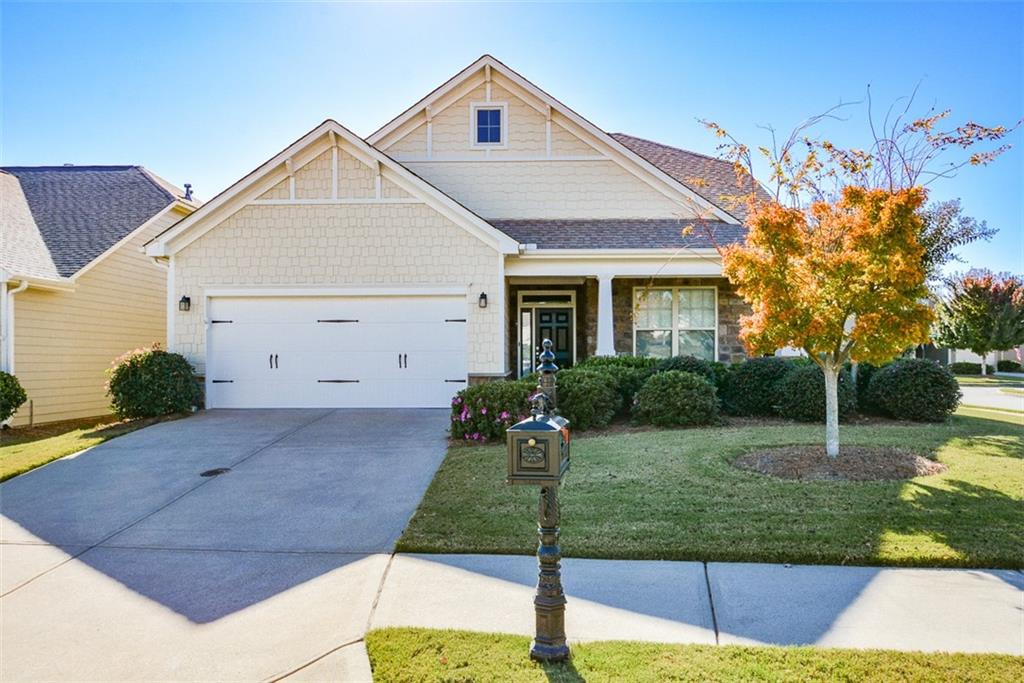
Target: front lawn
<point>406,654</point>
<point>25,448</point>
<point>674,495</point>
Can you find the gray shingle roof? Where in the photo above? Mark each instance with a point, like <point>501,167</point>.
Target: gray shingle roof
<point>620,233</point>
<point>81,211</point>
<point>714,179</point>
<point>22,250</point>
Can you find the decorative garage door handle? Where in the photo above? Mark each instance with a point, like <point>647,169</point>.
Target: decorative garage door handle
<point>337,321</point>
<point>403,360</point>
<point>273,361</point>
<point>338,381</point>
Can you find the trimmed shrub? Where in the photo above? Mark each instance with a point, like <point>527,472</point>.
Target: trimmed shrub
<point>483,412</point>
<point>638,362</point>
<point>865,371</point>
<point>589,397</point>
<point>627,380</point>
<point>697,366</point>
<point>151,382</point>
<point>11,395</point>
<point>676,399</point>
<point>752,386</point>
<point>968,368</point>
<point>802,395</point>
<point>1008,366</point>
<point>915,389</point>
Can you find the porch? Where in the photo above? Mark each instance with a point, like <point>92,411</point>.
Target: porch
<point>658,315</point>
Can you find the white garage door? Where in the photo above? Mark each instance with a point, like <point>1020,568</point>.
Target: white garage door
<point>343,352</point>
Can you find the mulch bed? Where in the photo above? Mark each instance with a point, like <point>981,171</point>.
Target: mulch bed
<point>855,463</point>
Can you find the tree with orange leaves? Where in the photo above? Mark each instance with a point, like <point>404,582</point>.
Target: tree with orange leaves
<point>837,257</point>
<point>841,281</point>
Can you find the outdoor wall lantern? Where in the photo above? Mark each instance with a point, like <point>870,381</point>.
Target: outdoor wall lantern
<point>184,303</point>
<point>482,301</point>
<point>538,454</point>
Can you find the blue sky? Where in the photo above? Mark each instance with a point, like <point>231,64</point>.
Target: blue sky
<point>205,92</point>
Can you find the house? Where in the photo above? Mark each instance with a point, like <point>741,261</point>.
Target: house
<point>76,288</point>
<point>393,270</point>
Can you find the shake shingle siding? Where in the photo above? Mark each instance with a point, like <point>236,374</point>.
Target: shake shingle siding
<point>81,211</point>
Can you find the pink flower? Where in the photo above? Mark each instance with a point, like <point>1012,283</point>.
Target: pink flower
<point>456,401</point>
<point>483,411</point>
<point>465,414</point>
<point>503,415</point>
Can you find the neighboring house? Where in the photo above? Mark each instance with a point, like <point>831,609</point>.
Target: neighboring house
<point>391,271</point>
<point>76,288</point>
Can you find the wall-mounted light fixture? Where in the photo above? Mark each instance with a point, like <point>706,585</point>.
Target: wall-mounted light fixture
<point>184,303</point>
<point>482,301</point>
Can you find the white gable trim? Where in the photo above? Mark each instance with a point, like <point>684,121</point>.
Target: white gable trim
<point>632,162</point>
<point>301,152</point>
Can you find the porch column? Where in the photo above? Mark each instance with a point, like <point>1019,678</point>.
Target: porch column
<point>605,330</point>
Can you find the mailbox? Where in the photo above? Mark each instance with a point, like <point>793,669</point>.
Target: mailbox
<point>538,450</point>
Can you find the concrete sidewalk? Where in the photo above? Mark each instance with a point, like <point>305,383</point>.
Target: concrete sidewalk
<point>727,603</point>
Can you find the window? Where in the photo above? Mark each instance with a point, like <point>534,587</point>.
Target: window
<point>679,321</point>
<point>488,126</point>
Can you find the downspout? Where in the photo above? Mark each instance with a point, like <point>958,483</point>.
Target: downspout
<point>7,325</point>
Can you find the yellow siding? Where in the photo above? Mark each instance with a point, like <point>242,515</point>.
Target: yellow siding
<point>65,341</point>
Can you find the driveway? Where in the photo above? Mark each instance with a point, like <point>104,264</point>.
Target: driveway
<point>991,397</point>
<point>125,563</point>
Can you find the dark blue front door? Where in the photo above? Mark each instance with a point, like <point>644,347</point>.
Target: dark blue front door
<point>556,324</point>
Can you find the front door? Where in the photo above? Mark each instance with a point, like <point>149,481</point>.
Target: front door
<point>556,324</point>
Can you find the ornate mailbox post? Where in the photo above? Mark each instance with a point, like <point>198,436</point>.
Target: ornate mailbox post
<point>538,454</point>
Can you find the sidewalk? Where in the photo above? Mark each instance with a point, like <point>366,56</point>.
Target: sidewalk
<point>970,610</point>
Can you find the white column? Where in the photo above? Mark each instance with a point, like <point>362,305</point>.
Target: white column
<point>605,330</point>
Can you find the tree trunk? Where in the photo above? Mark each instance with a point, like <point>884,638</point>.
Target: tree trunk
<point>984,363</point>
<point>831,370</point>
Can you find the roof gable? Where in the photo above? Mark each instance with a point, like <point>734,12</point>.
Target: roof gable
<point>486,68</point>
<point>255,186</point>
<point>82,211</point>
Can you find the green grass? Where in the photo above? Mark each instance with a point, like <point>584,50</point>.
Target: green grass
<point>988,381</point>
<point>26,448</point>
<point>1014,391</point>
<point>674,495</point>
<point>408,654</point>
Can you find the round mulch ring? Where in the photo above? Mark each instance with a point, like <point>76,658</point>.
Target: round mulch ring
<point>855,463</point>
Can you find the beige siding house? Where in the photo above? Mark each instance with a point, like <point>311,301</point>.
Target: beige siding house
<point>439,251</point>
<point>77,287</point>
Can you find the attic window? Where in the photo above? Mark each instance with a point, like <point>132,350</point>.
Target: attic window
<point>488,125</point>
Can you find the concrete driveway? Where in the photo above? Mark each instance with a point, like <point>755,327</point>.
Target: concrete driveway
<point>124,563</point>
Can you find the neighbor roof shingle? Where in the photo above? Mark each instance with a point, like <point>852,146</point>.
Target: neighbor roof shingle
<point>620,233</point>
<point>81,211</point>
<point>713,179</point>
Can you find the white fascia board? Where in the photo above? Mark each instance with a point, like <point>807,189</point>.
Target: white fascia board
<point>64,284</point>
<point>215,290</point>
<point>682,252</point>
<point>663,264</point>
<point>622,154</point>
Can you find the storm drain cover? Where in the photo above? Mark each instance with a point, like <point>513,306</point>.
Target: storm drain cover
<point>216,472</point>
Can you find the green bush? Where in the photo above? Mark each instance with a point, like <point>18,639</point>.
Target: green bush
<point>969,368</point>
<point>588,397</point>
<point>11,395</point>
<point>752,386</point>
<point>483,412</point>
<point>638,362</point>
<point>802,395</point>
<point>697,366</point>
<point>865,371</point>
<point>915,389</point>
<point>1008,366</point>
<point>152,382</point>
<point>676,399</point>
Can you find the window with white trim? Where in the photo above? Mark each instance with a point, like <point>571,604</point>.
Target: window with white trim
<point>676,321</point>
<point>489,123</point>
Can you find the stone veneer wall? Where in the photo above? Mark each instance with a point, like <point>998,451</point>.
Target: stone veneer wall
<point>730,308</point>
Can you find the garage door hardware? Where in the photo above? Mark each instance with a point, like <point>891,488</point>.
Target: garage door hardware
<point>222,381</point>
<point>403,360</point>
<point>273,361</point>
<point>337,321</point>
<point>215,322</point>
<point>215,472</point>
<point>456,381</point>
<point>338,381</point>
<point>455,320</point>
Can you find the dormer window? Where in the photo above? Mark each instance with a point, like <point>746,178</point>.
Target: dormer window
<point>489,124</point>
